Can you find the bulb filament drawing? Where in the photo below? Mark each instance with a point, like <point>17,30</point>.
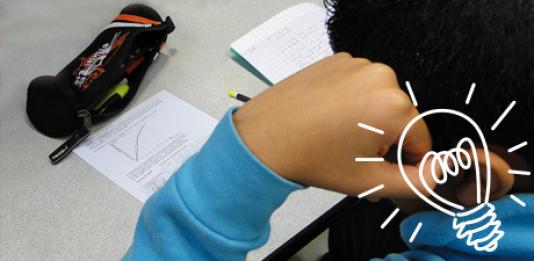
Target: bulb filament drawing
<point>479,227</point>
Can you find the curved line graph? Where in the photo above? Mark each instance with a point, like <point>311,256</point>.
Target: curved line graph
<point>135,152</point>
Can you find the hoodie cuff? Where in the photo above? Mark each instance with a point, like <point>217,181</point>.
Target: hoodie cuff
<point>228,189</point>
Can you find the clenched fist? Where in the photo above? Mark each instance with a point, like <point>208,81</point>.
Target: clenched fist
<point>305,128</point>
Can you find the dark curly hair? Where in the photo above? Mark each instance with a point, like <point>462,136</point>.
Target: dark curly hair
<point>441,47</point>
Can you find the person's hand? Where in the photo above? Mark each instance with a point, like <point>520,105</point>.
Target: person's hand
<point>462,188</point>
<point>305,128</point>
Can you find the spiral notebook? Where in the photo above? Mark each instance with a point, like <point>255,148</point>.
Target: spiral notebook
<point>284,44</point>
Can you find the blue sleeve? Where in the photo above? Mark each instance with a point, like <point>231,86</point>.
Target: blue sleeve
<point>437,241</point>
<point>215,207</point>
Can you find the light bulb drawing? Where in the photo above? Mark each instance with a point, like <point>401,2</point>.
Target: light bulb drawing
<point>451,163</point>
<point>479,226</point>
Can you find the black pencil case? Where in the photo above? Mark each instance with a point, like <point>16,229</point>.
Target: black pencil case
<point>68,103</point>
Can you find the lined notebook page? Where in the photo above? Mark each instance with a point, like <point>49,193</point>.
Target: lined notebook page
<point>286,43</point>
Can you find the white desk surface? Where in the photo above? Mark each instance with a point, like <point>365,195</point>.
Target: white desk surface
<point>70,211</point>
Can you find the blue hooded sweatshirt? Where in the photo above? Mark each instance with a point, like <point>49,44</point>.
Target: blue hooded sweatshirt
<point>218,204</point>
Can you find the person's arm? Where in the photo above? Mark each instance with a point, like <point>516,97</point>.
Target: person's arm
<point>304,129</point>
<point>437,240</point>
<point>216,207</point>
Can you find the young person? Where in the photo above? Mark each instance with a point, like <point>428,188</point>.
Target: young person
<point>302,131</point>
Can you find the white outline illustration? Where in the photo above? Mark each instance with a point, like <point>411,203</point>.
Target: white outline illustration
<point>518,201</point>
<point>467,223</point>
<point>415,232</point>
<point>390,217</point>
<point>519,172</point>
<point>518,146</point>
<point>499,120</point>
<point>487,221</point>
<point>371,191</point>
<point>470,94</point>
<point>371,159</point>
<point>486,155</point>
<point>410,91</point>
<point>370,128</point>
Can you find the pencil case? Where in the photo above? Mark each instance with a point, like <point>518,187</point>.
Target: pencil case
<point>88,89</point>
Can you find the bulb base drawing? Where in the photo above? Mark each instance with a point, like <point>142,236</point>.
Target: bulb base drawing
<point>479,227</point>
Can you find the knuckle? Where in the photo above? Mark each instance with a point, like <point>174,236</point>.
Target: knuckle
<point>381,69</point>
<point>342,55</point>
<point>361,61</point>
<point>431,185</point>
<point>398,100</point>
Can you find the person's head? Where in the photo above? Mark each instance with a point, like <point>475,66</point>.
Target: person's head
<point>441,47</point>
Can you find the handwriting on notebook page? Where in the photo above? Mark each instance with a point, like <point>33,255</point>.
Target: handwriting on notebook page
<point>286,43</point>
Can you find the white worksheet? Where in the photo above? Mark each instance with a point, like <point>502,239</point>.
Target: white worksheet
<point>142,148</point>
<point>287,42</point>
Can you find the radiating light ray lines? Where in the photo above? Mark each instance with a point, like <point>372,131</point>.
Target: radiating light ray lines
<point>503,115</point>
<point>391,216</point>
<point>470,94</point>
<point>518,146</point>
<point>412,95</point>
<point>415,231</point>
<point>370,191</point>
<point>370,128</point>
<point>518,201</point>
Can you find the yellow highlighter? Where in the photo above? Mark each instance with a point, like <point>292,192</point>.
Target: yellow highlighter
<point>239,96</point>
<point>112,97</point>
